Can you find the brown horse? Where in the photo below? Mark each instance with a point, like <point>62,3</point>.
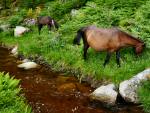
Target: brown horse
<point>110,40</point>
<point>46,20</point>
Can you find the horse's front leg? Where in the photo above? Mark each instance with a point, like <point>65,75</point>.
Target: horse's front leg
<point>107,58</point>
<point>86,46</point>
<point>49,27</point>
<point>40,27</point>
<point>118,58</point>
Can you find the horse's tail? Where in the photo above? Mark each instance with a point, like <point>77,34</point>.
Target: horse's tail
<point>80,34</point>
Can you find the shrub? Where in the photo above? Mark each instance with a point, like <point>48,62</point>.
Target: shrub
<point>15,20</point>
<point>57,9</point>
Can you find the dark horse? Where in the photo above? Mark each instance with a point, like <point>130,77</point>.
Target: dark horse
<point>110,40</point>
<point>46,20</point>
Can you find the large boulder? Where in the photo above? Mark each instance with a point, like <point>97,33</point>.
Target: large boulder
<point>19,31</point>
<point>128,88</point>
<point>105,94</point>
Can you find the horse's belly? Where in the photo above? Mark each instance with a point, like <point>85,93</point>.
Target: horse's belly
<point>98,46</point>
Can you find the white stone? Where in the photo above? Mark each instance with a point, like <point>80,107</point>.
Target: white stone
<point>5,27</point>
<point>74,12</point>
<point>19,31</point>
<point>25,60</point>
<point>29,21</point>
<point>142,75</point>
<point>128,88</point>
<point>28,65</point>
<point>14,51</point>
<point>105,94</point>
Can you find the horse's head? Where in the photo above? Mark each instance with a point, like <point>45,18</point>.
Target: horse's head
<point>139,48</point>
<point>54,24</point>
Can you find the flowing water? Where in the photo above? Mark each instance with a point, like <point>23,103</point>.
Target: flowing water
<point>50,92</point>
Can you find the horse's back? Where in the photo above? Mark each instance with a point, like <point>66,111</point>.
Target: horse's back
<point>102,39</point>
<point>44,20</point>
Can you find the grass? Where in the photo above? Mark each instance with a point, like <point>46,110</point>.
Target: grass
<point>63,55</point>
<point>144,97</point>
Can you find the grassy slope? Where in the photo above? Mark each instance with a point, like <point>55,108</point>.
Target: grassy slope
<point>58,50</point>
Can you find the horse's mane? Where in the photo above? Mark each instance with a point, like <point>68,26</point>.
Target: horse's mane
<point>128,35</point>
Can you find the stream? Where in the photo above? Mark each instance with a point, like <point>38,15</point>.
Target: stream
<point>51,92</point>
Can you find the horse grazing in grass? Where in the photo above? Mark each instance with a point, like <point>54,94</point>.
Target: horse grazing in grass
<point>46,20</point>
<point>110,40</point>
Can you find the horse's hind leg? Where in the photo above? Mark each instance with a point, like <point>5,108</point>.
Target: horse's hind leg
<point>40,27</point>
<point>107,58</point>
<point>86,46</point>
<point>118,58</point>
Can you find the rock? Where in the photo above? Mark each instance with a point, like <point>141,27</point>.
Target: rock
<point>5,27</point>
<point>148,77</point>
<point>19,31</point>
<point>14,51</point>
<point>143,75</point>
<point>29,21</point>
<point>128,88</point>
<point>74,12</point>
<point>28,65</point>
<point>105,94</point>
<point>25,60</point>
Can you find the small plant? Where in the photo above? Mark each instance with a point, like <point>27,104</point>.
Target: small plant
<point>30,13</point>
<point>33,13</point>
<point>10,99</point>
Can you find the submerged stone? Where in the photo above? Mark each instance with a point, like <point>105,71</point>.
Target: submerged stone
<point>67,87</point>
